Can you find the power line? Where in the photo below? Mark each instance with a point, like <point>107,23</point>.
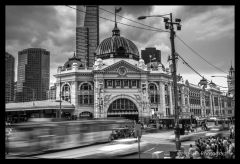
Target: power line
<point>157,30</point>
<point>190,66</point>
<point>198,54</point>
<point>118,22</point>
<point>196,71</point>
<point>133,20</point>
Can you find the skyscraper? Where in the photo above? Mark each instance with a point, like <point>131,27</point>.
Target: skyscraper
<point>87,33</point>
<point>33,74</point>
<point>9,77</point>
<point>155,55</point>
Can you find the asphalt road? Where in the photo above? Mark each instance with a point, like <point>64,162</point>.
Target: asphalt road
<point>156,142</point>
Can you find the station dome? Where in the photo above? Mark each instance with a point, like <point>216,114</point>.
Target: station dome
<point>117,47</point>
<point>72,60</point>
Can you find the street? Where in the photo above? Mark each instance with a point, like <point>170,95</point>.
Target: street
<point>156,142</point>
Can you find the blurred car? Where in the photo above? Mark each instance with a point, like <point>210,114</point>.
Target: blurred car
<point>121,147</point>
<point>189,136</point>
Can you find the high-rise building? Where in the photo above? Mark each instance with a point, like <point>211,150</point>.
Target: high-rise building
<point>33,74</point>
<point>87,33</point>
<point>151,54</point>
<point>9,77</point>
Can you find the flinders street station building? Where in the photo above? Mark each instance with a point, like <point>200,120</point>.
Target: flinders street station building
<point>120,84</point>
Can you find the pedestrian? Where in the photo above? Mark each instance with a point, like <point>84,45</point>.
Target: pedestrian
<point>191,150</point>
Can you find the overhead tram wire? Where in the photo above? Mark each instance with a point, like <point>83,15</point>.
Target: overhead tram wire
<point>198,54</point>
<point>133,20</point>
<point>197,71</point>
<point>159,30</point>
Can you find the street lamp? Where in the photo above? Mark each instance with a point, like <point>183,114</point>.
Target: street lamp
<point>169,24</point>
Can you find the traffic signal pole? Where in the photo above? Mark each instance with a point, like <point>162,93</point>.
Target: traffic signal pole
<point>174,74</point>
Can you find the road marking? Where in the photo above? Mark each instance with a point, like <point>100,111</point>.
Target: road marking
<point>149,150</point>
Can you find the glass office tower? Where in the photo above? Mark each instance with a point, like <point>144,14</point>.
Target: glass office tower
<point>87,33</point>
<point>33,74</point>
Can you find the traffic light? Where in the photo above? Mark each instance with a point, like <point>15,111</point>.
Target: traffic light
<point>166,26</point>
<point>165,20</point>
<point>177,20</point>
<point>179,27</point>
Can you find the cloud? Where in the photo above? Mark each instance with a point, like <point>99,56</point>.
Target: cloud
<point>207,29</point>
<point>188,12</point>
<point>208,22</point>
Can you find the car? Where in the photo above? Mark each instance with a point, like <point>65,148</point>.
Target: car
<point>121,147</point>
<point>189,136</point>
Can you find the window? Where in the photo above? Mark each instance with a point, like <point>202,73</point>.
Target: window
<point>66,93</point>
<point>216,101</point>
<point>186,101</point>
<point>222,103</point>
<point>118,83</point>
<point>125,83</point>
<point>109,83</point>
<point>167,99</point>
<point>229,103</point>
<point>84,97</point>
<point>134,83</point>
<point>125,104</point>
<point>86,87</point>
<point>167,111</point>
<point>166,88</point>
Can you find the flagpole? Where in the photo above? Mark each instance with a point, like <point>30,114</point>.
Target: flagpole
<point>115,15</point>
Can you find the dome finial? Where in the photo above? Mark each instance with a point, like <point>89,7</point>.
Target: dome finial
<point>115,30</point>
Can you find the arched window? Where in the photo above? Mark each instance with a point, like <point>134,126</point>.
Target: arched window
<point>86,87</point>
<point>153,94</point>
<point>85,96</point>
<point>66,93</point>
<point>122,105</point>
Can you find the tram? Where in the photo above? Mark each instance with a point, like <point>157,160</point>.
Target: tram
<point>217,124</point>
<point>42,136</point>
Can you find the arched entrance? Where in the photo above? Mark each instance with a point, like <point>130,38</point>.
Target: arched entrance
<point>123,107</point>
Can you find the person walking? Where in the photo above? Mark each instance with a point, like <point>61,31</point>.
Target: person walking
<point>191,150</point>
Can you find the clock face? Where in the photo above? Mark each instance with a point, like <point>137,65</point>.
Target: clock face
<point>122,70</point>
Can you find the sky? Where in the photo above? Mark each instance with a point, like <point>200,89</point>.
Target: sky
<point>209,30</point>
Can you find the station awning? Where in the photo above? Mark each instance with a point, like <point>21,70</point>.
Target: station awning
<point>38,105</point>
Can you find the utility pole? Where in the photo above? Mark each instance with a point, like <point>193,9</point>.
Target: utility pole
<point>169,24</point>
<point>174,74</point>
